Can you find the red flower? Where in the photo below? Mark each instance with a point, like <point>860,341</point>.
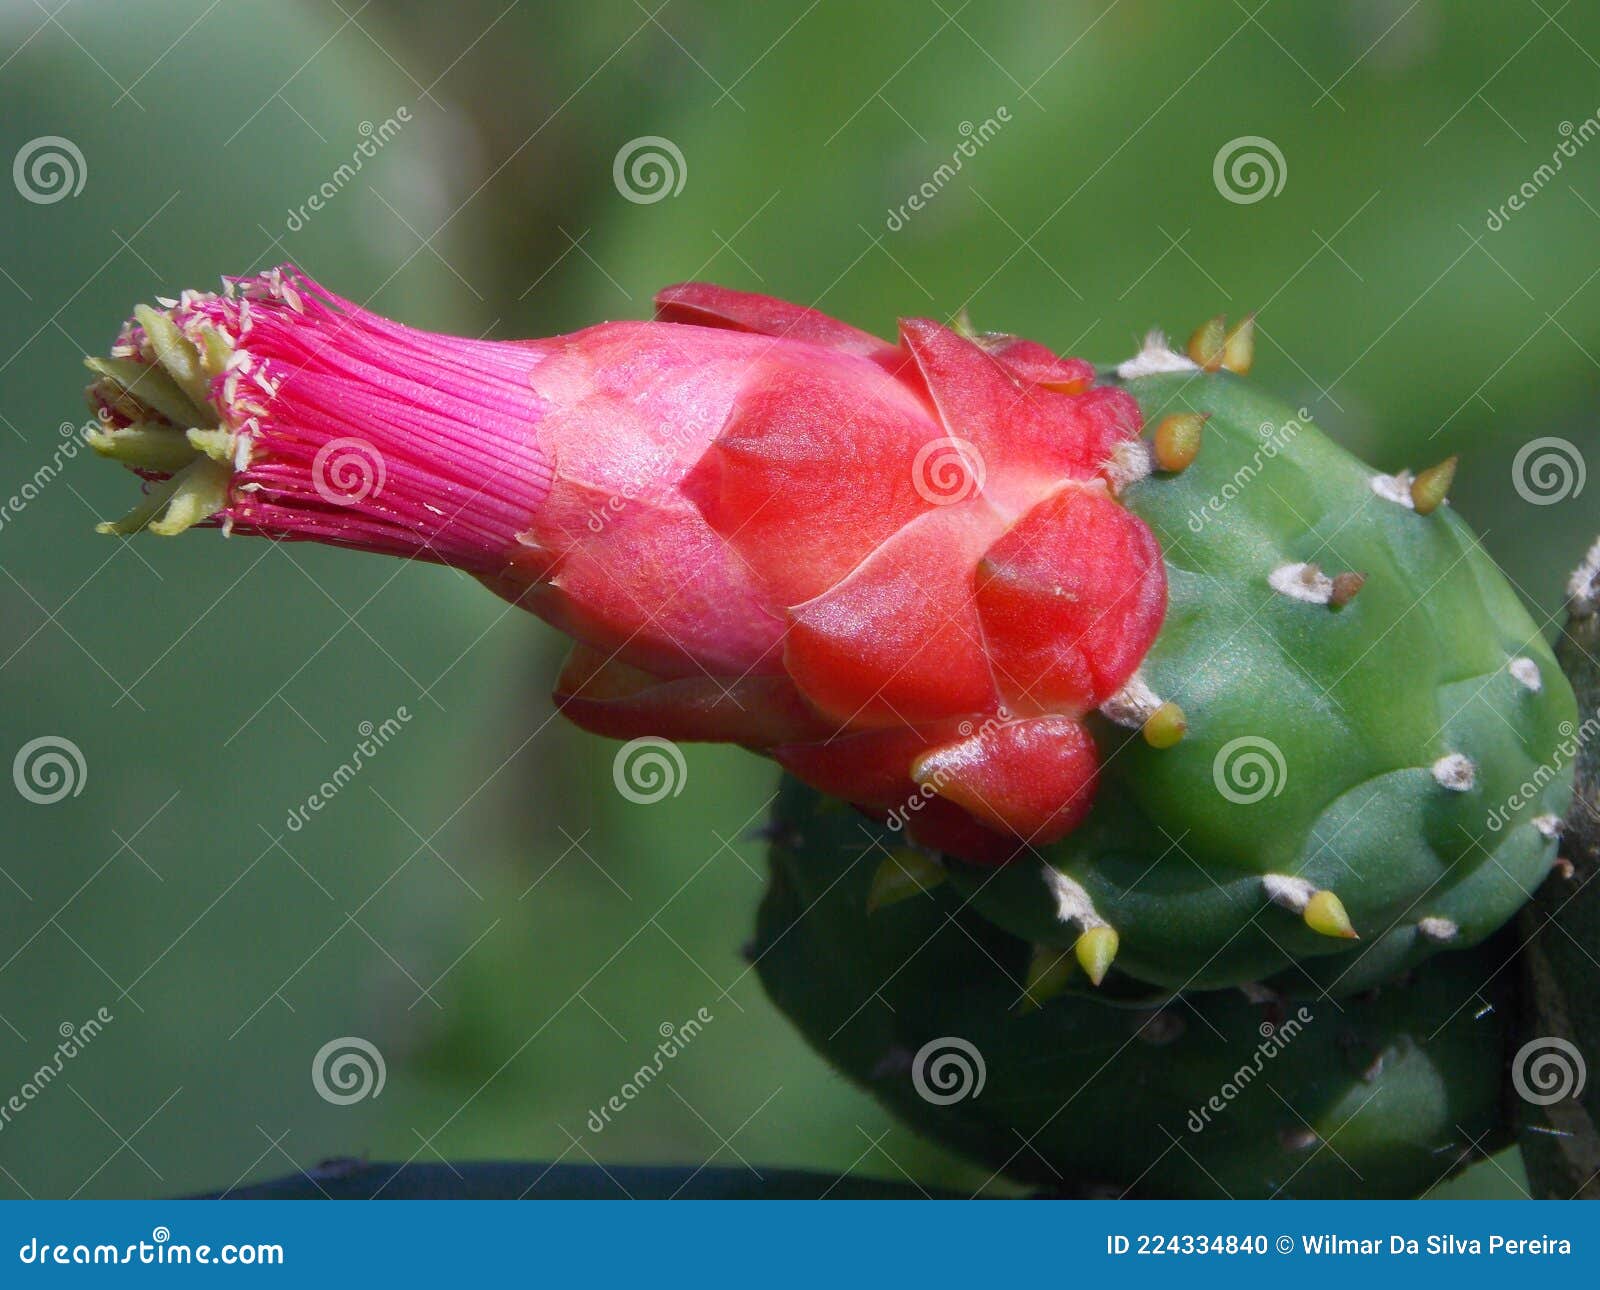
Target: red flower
<point>900,570</point>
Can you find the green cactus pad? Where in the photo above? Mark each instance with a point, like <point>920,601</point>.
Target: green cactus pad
<point>1377,1096</point>
<point>1401,746</point>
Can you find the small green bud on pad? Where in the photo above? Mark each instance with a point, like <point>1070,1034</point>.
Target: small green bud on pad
<point>1429,488</point>
<point>904,872</point>
<point>1177,441</point>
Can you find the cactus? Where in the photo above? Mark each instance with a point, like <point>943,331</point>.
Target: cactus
<point>1370,768</point>
<point>926,1004</point>
<point>1169,719</point>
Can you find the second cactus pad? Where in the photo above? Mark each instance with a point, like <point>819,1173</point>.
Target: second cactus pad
<point>938,1013</point>
<point>1349,746</point>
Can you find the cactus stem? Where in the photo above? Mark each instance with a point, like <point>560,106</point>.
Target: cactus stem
<point>1050,970</point>
<point>1133,704</point>
<point>1177,440</point>
<point>1239,347</point>
<point>1345,587</point>
<point>1322,911</point>
<point>1155,356</point>
<point>1208,343</point>
<point>905,872</point>
<point>1429,488</point>
<point>1455,772</point>
<point>1438,929</point>
<point>1526,672</point>
<point>1165,726</point>
<point>1302,582</point>
<point>1095,950</point>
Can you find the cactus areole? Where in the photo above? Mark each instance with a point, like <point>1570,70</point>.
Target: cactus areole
<point>1140,660</point>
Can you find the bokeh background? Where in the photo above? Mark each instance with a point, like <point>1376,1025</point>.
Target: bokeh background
<point>480,904</point>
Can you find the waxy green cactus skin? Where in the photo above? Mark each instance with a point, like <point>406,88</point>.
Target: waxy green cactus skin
<point>1083,1098</point>
<point>1360,703</point>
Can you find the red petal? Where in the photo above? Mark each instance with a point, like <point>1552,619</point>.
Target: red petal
<point>1070,600</point>
<point>706,305</point>
<point>1029,436</point>
<point>1033,778</point>
<point>872,769</point>
<point>944,826</point>
<point>898,641</point>
<point>1028,360</point>
<point>610,698</point>
<point>813,469</point>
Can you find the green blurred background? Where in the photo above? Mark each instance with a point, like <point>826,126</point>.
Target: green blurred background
<point>481,904</point>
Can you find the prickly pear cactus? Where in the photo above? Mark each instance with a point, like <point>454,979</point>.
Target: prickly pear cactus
<point>927,1004</point>
<point>1340,755</point>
